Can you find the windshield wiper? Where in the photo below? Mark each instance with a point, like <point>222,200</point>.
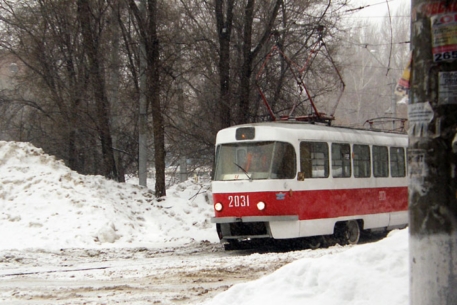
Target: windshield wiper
<point>244,171</point>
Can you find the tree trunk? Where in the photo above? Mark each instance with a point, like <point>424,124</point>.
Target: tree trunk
<point>250,55</point>
<point>148,35</point>
<point>153,75</point>
<point>113,83</point>
<point>224,30</point>
<point>99,89</point>
<point>246,68</point>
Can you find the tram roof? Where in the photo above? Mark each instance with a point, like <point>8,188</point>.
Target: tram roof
<point>290,131</point>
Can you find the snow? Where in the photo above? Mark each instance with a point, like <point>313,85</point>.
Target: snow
<point>372,274</point>
<point>46,207</point>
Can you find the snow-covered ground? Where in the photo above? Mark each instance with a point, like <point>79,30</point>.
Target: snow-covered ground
<point>64,234</point>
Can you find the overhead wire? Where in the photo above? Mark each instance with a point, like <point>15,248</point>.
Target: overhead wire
<point>396,16</point>
<point>386,2</point>
<point>365,6</point>
<point>377,44</point>
<point>391,37</point>
<point>390,45</point>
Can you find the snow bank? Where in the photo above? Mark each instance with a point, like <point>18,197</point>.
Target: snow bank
<point>370,274</point>
<point>44,204</point>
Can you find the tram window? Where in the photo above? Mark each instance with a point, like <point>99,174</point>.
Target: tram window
<point>341,160</point>
<point>258,159</point>
<point>380,161</point>
<point>397,162</point>
<point>241,155</point>
<point>255,161</point>
<point>314,159</point>
<point>284,161</point>
<point>362,165</point>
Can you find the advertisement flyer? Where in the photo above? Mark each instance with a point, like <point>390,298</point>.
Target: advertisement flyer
<point>419,116</point>
<point>447,88</point>
<point>444,36</point>
<point>443,17</point>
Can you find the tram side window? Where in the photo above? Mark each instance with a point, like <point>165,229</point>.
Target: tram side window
<point>341,160</point>
<point>397,162</point>
<point>314,159</point>
<point>380,161</point>
<point>362,163</point>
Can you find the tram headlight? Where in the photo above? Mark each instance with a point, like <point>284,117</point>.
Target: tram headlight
<point>218,206</point>
<point>261,205</point>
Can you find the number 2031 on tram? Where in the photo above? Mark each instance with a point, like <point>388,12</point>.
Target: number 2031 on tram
<point>298,182</point>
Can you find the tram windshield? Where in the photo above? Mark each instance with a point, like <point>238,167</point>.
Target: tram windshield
<point>255,160</point>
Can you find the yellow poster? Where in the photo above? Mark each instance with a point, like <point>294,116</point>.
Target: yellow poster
<point>402,88</point>
<point>444,36</point>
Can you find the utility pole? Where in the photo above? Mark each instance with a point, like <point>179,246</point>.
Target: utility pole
<point>432,113</point>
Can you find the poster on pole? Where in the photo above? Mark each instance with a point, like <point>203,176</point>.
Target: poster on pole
<point>444,36</point>
<point>402,87</point>
<point>447,88</point>
<point>443,17</point>
<point>419,116</point>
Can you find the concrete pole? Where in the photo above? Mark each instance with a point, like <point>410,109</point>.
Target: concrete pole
<point>432,113</point>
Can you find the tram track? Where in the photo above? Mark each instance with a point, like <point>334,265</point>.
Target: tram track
<point>181,275</point>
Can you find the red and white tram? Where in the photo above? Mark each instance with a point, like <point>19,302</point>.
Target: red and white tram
<point>291,180</point>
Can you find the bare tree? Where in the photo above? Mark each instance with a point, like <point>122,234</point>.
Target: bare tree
<point>147,32</point>
<point>224,22</point>
<point>208,77</point>
<point>57,69</point>
<point>91,22</point>
<point>202,59</point>
<point>375,58</point>
<point>305,41</point>
<point>250,51</point>
<point>61,85</point>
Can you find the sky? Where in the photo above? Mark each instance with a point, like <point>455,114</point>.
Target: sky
<point>377,9</point>
<point>45,205</point>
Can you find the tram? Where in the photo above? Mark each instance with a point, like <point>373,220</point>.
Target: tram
<point>295,181</point>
